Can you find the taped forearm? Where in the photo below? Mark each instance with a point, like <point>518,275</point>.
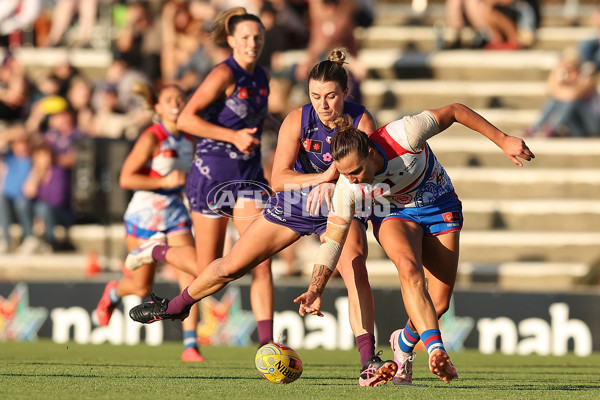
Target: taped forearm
<point>331,248</point>
<point>319,279</point>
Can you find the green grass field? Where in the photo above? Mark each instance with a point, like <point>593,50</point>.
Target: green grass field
<point>44,370</point>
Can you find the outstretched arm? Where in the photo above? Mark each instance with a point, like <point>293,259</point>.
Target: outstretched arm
<point>512,146</point>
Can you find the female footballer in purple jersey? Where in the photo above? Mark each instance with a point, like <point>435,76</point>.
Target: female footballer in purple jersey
<point>416,216</point>
<point>302,176</point>
<point>226,112</point>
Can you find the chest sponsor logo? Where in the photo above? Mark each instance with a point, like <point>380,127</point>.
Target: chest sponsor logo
<point>313,146</point>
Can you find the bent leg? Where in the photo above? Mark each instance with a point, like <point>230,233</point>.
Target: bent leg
<point>259,242</point>
<point>440,259</point>
<point>402,242</point>
<point>353,270</point>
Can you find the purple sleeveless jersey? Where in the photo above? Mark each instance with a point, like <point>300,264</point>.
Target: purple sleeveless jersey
<point>289,208</point>
<point>220,171</point>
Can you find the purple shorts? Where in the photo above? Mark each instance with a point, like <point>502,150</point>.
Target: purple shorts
<point>215,184</point>
<point>436,219</point>
<point>289,209</point>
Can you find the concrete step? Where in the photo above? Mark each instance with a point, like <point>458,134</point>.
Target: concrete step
<point>523,65</point>
<point>395,63</point>
<point>549,215</point>
<point>525,183</point>
<point>401,12</point>
<point>474,150</point>
<point>424,38</point>
<point>487,246</point>
<point>542,246</point>
<point>416,95</point>
<point>509,120</point>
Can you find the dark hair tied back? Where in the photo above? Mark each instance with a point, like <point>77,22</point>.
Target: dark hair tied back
<point>332,69</point>
<point>348,139</point>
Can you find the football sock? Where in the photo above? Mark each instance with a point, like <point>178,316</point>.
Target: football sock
<point>189,339</point>
<point>408,339</point>
<point>159,253</point>
<point>113,296</point>
<point>366,347</point>
<point>181,302</point>
<point>432,339</point>
<point>265,331</point>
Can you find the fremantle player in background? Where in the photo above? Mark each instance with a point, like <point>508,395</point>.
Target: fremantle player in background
<point>226,113</point>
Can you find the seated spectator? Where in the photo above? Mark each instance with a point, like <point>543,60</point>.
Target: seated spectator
<point>17,164</point>
<point>16,15</point>
<point>463,13</point>
<point>79,96</point>
<point>110,121</point>
<point>512,23</point>
<point>139,40</point>
<point>63,15</point>
<point>181,34</point>
<point>590,49</point>
<point>571,108</point>
<point>62,137</point>
<point>13,89</point>
<point>49,185</point>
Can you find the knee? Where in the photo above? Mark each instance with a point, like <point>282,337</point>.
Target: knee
<point>262,273</point>
<point>227,270</point>
<point>441,303</point>
<point>410,273</point>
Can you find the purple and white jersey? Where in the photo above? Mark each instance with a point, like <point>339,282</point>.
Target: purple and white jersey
<point>246,107</point>
<point>314,155</point>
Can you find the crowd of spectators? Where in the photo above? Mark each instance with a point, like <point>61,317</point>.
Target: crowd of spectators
<point>45,112</point>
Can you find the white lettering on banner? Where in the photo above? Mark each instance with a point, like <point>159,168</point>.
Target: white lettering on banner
<point>541,337</point>
<point>65,318</point>
<point>323,332</point>
<point>120,330</point>
<point>329,332</point>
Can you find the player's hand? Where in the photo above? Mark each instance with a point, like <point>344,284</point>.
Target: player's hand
<point>324,191</point>
<point>245,141</point>
<point>331,173</point>
<point>515,147</point>
<point>310,303</point>
<point>175,179</point>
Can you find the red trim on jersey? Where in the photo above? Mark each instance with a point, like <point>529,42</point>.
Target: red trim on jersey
<point>391,147</point>
<point>159,133</point>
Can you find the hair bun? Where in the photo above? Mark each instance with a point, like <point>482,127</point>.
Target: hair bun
<point>338,55</point>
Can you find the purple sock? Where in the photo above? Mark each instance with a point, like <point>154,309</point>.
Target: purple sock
<point>366,347</point>
<point>181,302</point>
<point>159,253</point>
<point>265,331</point>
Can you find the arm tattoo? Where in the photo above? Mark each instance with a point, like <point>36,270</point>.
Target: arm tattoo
<point>319,278</point>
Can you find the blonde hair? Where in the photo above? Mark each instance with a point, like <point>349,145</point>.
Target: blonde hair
<point>226,21</point>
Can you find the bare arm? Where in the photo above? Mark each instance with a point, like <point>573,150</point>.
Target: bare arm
<point>286,153</point>
<point>288,145</point>
<point>512,146</point>
<point>218,84</point>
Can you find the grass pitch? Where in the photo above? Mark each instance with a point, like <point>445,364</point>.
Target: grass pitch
<point>45,370</point>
